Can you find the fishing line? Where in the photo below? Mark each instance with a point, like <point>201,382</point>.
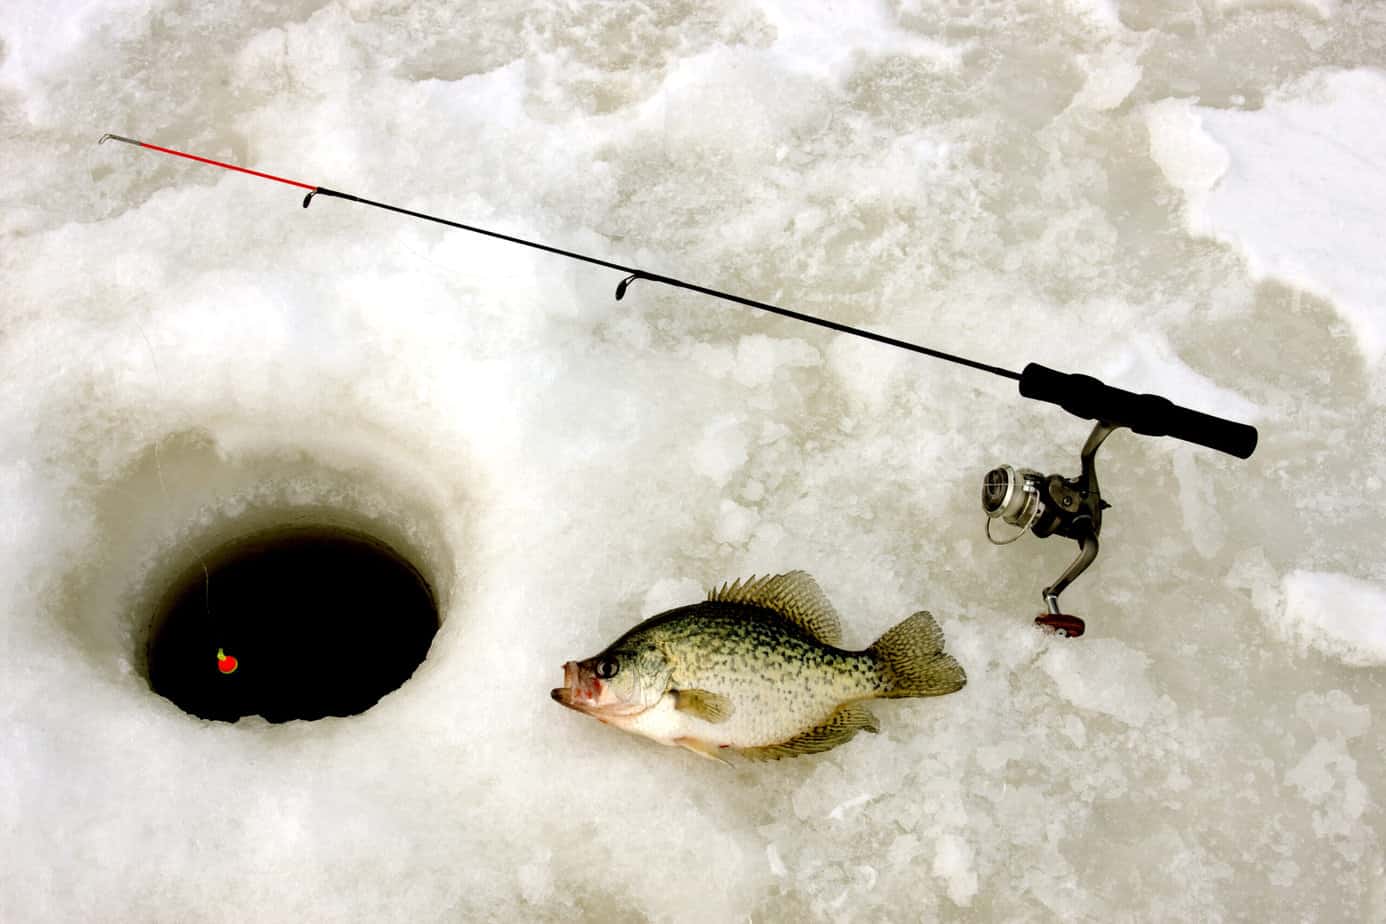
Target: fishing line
<point>215,629</point>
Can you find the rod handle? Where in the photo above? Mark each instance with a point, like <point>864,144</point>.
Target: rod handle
<point>1151,415</point>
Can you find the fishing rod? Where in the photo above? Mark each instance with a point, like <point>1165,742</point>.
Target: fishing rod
<point>1045,505</point>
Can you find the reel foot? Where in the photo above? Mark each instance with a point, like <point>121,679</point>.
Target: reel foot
<point>1061,624</point>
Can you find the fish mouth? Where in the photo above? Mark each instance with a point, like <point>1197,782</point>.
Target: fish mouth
<point>582,691</point>
<point>575,694</point>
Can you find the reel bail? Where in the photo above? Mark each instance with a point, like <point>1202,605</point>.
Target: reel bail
<point>1052,505</point>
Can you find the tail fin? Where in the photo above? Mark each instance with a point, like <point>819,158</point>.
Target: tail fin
<point>912,660</point>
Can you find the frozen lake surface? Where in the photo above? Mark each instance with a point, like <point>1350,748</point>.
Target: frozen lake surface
<point>1177,197</point>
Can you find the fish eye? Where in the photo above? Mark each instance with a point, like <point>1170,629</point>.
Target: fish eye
<point>607,668</point>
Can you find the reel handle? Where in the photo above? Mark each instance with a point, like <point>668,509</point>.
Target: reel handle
<point>1151,415</point>
<point>1061,624</point>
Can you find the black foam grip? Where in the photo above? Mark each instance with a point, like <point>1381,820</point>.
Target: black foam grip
<point>1090,398</point>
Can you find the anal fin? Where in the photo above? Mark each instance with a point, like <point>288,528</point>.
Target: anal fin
<point>702,749</point>
<point>840,728</point>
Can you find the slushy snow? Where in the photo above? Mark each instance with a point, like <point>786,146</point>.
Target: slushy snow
<point>1179,198</point>
<point>1271,183</point>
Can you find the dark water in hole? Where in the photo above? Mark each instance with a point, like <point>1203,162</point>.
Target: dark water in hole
<point>322,621</point>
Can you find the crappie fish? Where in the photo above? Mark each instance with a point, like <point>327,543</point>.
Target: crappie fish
<point>756,669</point>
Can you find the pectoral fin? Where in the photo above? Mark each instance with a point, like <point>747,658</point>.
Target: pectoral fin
<point>706,705</point>
<point>840,728</point>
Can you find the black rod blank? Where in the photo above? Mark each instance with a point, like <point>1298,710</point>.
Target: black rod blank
<point>632,274</point>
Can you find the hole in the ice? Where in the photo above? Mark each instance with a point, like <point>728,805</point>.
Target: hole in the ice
<point>299,622</point>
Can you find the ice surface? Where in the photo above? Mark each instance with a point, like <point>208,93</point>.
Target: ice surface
<point>1179,198</point>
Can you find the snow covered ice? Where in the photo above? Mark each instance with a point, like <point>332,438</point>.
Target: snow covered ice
<point>1184,198</point>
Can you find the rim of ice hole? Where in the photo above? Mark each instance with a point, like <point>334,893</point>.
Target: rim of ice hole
<point>361,584</point>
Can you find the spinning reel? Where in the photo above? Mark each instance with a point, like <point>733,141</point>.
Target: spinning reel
<point>1052,505</point>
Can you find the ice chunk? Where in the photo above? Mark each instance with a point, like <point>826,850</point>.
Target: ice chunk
<point>953,863</point>
<point>722,449</point>
<point>671,592</point>
<point>823,39</point>
<point>1324,9</point>
<point>1334,713</point>
<point>1327,777</point>
<point>1335,614</point>
<point>1103,675</point>
<point>734,522</point>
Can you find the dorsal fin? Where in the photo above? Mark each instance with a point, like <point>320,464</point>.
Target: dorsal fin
<point>795,596</point>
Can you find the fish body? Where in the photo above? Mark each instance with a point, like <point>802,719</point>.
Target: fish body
<point>757,669</point>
